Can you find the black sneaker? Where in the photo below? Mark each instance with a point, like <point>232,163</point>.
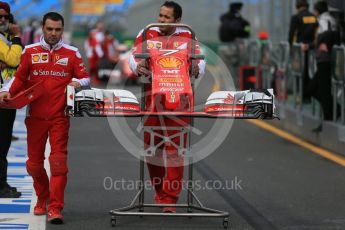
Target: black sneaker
<point>9,193</point>
<point>10,187</point>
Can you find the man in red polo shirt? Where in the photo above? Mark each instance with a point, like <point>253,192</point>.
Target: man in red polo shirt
<point>166,177</point>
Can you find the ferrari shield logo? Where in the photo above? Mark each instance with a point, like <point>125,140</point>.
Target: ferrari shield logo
<point>172,97</point>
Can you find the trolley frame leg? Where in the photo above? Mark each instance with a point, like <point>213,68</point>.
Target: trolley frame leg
<point>138,205</point>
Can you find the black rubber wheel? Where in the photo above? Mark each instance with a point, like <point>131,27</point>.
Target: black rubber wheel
<point>226,223</point>
<point>113,221</point>
<point>190,210</point>
<point>141,210</point>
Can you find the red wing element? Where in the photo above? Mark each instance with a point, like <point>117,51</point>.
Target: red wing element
<point>25,97</point>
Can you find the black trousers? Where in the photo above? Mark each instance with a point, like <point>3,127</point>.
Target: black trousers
<point>7,117</point>
<point>320,87</point>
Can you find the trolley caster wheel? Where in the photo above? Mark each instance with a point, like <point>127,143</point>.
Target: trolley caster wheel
<point>141,210</point>
<point>113,221</point>
<point>225,223</point>
<point>190,211</point>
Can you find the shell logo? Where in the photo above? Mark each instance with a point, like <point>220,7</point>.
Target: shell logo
<point>150,45</point>
<point>170,62</point>
<point>35,58</point>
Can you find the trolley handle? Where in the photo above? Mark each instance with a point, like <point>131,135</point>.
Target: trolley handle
<point>144,56</point>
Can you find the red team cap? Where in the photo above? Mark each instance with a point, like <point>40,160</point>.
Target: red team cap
<point>263,35</point>
<point>5,6</point>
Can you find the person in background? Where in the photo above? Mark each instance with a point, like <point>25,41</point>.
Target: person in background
<point>10,53</point>
<point>110,56</point>
<point>263,38</point>
<point>233,25</point>
<point>327,36</point>
<point>109,46</point>
<point>32,32</point>
<point>303,27</point>
<point>94,51</point>
<point>12,21</point>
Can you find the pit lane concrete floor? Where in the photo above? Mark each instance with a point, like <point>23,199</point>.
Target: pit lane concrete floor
<point>281,185</point>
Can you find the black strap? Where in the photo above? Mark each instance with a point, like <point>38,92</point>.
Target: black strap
<point>1,81</point>
<point>329,26</point>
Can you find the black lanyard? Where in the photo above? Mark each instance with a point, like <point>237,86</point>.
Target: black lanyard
<point>1,81</point>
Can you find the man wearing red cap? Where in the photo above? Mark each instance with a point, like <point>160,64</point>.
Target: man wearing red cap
<point>10,52</point>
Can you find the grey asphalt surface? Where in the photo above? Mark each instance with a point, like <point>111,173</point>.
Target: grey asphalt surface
<point>281,185</point>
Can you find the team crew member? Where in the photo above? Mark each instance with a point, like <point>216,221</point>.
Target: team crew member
<point>320,86</point>
<point>56,65</point>
<point>94,51</point>
<point>10,52</point>
<point>233,25</point>
<point>167,179</point>
<point>303,26</point>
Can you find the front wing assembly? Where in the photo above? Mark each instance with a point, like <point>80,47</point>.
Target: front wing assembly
<point>249,104</point>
